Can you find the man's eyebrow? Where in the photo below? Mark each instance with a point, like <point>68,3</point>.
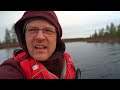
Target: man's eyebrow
<point>41,28</point>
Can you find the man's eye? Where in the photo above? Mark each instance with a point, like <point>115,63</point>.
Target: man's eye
<point>31,30</point>
<point>49,31</point>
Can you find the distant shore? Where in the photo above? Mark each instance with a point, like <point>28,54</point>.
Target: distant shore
<point>73,40</point>
<point>92,40</point>
<point>102,40</point>
<point>10,46</point>
<point>88,40</point>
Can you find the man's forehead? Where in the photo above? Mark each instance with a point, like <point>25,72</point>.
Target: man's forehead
<point>42,21</point>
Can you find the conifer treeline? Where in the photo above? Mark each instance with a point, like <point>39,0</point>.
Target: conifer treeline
<point>10,39</point>
<point>111,31</point>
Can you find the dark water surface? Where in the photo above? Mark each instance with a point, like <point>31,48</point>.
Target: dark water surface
<point>96,60</point>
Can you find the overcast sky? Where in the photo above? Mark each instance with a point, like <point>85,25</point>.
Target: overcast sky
<point>74,23</point>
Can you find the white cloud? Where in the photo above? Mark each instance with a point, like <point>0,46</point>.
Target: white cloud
<point>74,18</point>
<point>84,23</point>
<point>74,23</point>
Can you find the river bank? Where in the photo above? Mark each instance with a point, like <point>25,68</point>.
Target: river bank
<point>92,40</point>
<point>9,46</point>
<point>74,40</point>
<point>103,40</point>
<point>88,40</point>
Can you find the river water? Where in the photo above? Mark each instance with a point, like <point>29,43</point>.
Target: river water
<point>95,60</point>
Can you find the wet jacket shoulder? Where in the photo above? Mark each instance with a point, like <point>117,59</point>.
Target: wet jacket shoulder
<point>10,69</point>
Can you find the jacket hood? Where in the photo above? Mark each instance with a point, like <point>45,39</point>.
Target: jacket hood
<point>48,15</point>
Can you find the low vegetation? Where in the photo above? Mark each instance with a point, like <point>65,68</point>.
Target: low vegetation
<point>109,34</point>
<point>10,39</point>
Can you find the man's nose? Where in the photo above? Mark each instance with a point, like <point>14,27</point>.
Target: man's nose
<point>40,35</point>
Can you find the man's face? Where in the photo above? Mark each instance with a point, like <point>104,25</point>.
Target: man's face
<point>40,38</point>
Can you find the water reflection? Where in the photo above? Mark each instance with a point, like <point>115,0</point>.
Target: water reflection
<point>5,54</point>
<point>95,60</point>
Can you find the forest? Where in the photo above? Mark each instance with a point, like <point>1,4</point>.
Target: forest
<point>10,39</point>
<point>111,33</point>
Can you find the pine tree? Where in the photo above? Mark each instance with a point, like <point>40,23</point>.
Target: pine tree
<point>118,31</point>
<point>13,36</point>
<point>112,30</point>
<point>7,41</point>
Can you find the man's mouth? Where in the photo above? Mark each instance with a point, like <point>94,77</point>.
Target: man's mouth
<point>40,47</point>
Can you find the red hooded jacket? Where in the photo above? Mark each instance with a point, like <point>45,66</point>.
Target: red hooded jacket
<point>12,69</point>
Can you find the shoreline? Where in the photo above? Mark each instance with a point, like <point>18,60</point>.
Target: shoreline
<point>92,40</point>
<point>9,47</point>
<point>88,40</point>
